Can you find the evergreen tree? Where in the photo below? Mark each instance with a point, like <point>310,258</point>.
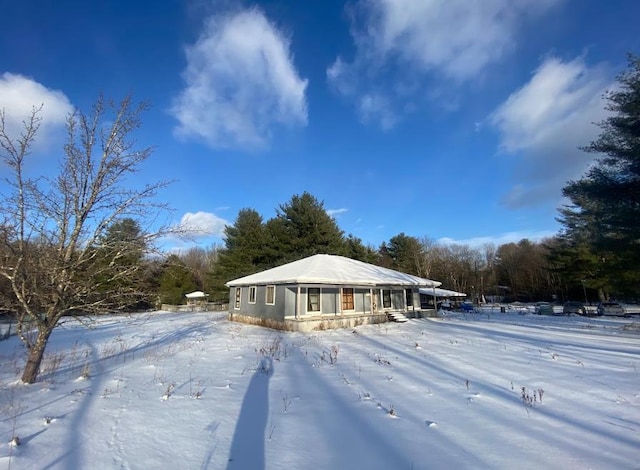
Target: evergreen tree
<point>245,250</point>
<point>118,273</point>
<point>578,259</point>
<point>303,228</point>
<point>355,249</point>
<point>176,281</point>
<point>606,200</point>
<point>384,259</point>
<point>406,254</point>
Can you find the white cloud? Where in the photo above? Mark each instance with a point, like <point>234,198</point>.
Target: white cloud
<point>457,37</point>
<point>18,97</point>
<point>334,212</point>
<point>240,81</point>
<point>500,239</point>
<point>203,224</point>
<point>545,122</point>
<point>398,42</point>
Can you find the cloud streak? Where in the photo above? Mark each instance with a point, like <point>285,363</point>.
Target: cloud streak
<point>543,124</point>
<point>400,42</point>
<point>240,83</point>
<point>335,212</point>
<point>500,239</point>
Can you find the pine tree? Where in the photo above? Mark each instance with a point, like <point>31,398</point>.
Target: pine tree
<point>606,200</point>
<point>303,228</point>
<point>118,272</point>
<point>406,254</point>
<point>355,249</point>
<point>245,250</point>
<point>176,281</point>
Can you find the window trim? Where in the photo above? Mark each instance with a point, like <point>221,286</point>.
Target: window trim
<point>319,289</point>
<point>238,299</point>
<point>252,294</point>
<point>269,287</point>
<point>353,299</point>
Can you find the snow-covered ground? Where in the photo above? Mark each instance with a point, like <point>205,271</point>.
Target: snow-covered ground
<point>194,391</point>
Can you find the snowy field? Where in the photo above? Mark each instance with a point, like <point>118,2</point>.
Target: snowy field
<point>194,391</point>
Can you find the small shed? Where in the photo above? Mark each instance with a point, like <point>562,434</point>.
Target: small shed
<point>197,298</point>
<point>325,291</point>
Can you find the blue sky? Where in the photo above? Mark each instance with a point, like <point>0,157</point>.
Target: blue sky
<point>455,120</point>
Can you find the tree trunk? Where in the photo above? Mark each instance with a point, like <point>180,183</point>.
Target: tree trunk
<point>36,353</point>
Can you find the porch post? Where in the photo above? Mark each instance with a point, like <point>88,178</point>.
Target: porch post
<point>371,303</point>
<point>435,300</point>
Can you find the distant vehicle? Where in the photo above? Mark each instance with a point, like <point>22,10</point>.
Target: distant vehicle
<point>467,306</point>
<point>574,307</point>
<point>610,308</point>
<point>544,308</point>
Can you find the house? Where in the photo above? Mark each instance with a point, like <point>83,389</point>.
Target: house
<point>325,291</point>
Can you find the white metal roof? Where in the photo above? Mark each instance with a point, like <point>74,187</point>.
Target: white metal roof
<point>332,269</point>
<point>196,295</point>
<point>442,292</point>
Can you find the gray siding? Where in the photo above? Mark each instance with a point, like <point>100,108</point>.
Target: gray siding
<point>259,309</point>
<point>289,299</point>
<point>276,311</point>
<point>287,304</point>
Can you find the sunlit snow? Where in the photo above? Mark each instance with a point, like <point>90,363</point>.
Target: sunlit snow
<point>195,391</point>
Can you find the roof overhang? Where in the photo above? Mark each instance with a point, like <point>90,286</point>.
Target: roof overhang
<point>441,292</point>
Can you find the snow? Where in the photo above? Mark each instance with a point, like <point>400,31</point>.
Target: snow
<point>196,295</point>
<point>332,269</point>
<point>439,292</point>
<point>193,390</point>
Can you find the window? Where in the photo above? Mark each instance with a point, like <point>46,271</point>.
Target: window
<point>238,291</point>
<point>252,294</point>
<point>270,297</point>
<point>347,299</point>
<point>409,295</point>
<point>313,299</point>
<point>386,298</point>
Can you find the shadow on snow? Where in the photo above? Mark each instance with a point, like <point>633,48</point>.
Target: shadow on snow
<point>247,448</point>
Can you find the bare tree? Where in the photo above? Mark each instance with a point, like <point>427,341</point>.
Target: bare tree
<point>54,228</point>
<point>459,267</point>
<point>524,267</point>
<point>201,262</point>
